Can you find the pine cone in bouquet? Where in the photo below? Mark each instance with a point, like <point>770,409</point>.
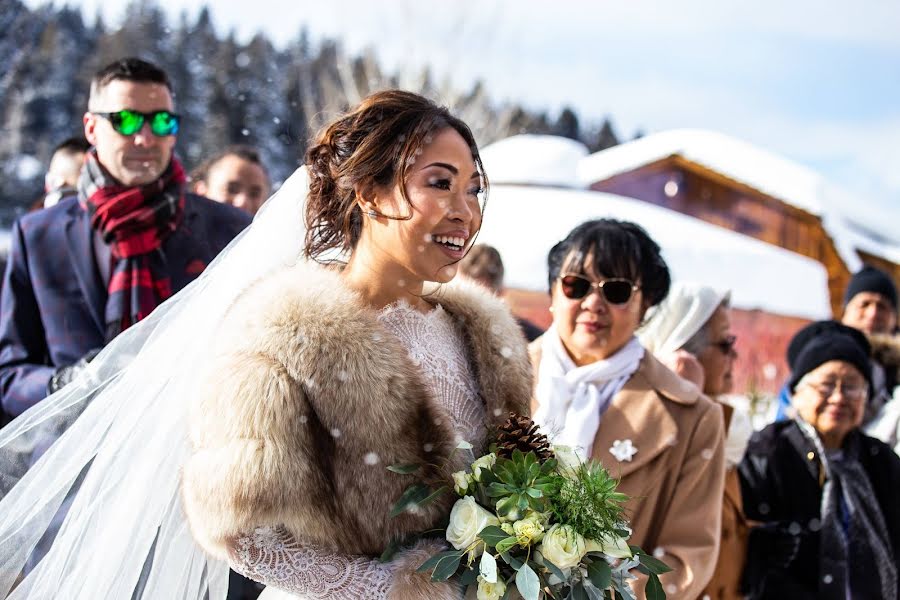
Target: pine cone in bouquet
<point>521,433</point>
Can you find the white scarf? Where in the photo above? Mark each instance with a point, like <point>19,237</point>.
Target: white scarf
<point>572,399</point>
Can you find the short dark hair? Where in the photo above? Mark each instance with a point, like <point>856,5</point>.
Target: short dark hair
<point>483,262</point>
<point>73,145</point>
<point>248,153</point>
<point>617,249</point>
<point>129,69</point>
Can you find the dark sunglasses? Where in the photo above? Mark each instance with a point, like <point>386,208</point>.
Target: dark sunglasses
<point>727,345</point>
<point>614,291</point>
<point>129,122</point>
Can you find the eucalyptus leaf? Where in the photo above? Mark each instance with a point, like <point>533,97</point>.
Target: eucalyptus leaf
<point>654,565</point>
<point>488,568</point>
<point>433,496</point>
<point>390,551</point>
<point>413,495</point>
<point>463,445</point>
<point>555,570</point>
<point>469,576</point>
<point>438,558</point>
<point>511,560</point>
<point>505,544</point>
<point>527,583</point>
<point>404,469</point>
<point>492,534</point>
<point>446,565</point>
<point>600,574</point>
<point>654,589</point>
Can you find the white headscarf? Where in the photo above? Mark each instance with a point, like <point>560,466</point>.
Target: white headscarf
<point>572,399</point>
<point>676,319</point>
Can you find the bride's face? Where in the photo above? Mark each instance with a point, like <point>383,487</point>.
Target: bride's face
<point>444,189</point>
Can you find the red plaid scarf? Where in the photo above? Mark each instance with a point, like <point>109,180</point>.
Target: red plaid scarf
<point>134,221</point>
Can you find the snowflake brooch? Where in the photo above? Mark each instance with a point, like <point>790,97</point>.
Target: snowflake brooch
<point>623,450</point>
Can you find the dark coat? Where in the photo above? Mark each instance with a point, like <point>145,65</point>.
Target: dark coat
<point>54,297</point>
<point>781,481</point>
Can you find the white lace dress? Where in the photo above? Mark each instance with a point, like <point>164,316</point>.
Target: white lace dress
<point>291,568</point>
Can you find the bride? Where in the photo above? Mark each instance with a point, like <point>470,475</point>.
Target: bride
<point>255,414</point>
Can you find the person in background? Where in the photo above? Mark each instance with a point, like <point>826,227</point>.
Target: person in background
<point>870,306</point>
<point>690,332</point>
<point>484,265</point>
<point>599,392</point>
<point>96,263</point>
<point>823,492</point>
<point>235,176</point>
<point>61,179</point>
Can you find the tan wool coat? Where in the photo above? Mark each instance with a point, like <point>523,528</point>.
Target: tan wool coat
<point>675,481</point>
<point>305,387</point>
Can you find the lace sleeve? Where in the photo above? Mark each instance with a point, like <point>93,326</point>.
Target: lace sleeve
<point>273,557</point>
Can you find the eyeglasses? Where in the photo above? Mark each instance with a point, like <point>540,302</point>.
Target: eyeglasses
<point>726,346</point>
<point>614,291</point>
<point>827,389</point>
<point>129,122</point>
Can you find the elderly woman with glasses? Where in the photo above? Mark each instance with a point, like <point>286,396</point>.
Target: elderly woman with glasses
<point>600,392</point>
<point>690,332</point>
<point>824,493</point>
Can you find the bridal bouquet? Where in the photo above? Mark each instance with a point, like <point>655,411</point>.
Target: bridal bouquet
<point>535,519</point>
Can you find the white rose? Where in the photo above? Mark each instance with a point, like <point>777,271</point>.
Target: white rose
<point>528,530</point>
<point>615,547</point>
<point>569,460</point>
<point>467,519</point>
<point>461,481</point>
<point>490,591</point>
<point>563,546</point>
<point>485,462</point>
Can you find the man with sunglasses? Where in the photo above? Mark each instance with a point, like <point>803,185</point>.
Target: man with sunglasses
<point>88,268</point>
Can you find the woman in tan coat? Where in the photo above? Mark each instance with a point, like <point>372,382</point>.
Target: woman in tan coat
<point>599,391</point>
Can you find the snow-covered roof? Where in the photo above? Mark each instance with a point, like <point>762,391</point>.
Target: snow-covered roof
<point>769,173</point>
<point>534,160</point>
<point>523,223</point>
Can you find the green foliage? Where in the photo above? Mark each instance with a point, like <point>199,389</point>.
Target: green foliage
<point>518,485</point>
<point>589,502</point>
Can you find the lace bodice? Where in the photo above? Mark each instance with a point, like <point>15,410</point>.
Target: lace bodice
<point>434,341</point>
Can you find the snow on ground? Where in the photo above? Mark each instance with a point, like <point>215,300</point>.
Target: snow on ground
<point>523,223</point>
<point>534,160</point>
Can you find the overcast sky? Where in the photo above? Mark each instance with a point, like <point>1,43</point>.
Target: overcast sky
<point>815,81</point>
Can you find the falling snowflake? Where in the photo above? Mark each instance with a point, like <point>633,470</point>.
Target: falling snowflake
<point>371,459</point>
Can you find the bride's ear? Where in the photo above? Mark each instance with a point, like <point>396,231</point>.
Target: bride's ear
<point>366,198</point>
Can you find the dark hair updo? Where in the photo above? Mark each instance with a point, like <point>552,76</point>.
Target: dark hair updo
<point>376,143</point>
<point>614,249</point>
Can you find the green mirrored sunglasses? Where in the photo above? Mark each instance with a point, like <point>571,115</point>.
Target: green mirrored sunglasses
<point>129,122</point>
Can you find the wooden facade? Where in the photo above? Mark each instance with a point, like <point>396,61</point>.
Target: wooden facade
<point>689,188</point>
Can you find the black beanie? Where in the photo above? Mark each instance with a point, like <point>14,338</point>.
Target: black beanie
<point>870,279</point>
<point>822,341</point>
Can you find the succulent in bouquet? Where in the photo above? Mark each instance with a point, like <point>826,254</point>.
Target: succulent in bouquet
<point>536,519</point>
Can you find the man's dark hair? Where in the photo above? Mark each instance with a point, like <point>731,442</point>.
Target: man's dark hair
<point>248,153</point>
<point>73,145</point>
<point>129,69</point>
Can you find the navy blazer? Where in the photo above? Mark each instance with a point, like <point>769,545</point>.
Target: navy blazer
<point>53,298</point>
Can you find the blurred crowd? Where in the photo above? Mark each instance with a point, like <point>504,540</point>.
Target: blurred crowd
<point>804,508</point>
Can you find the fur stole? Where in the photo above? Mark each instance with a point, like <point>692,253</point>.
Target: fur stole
<point>307,400</point>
